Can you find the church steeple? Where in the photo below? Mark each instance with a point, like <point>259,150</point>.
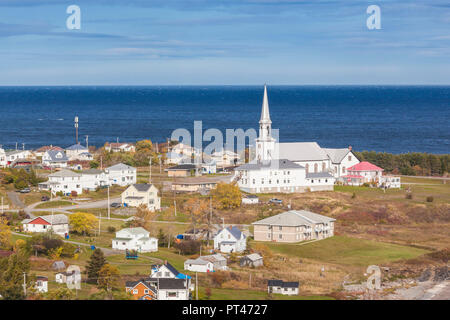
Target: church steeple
<point>265,115</point>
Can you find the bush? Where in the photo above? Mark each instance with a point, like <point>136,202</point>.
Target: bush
<point>353,195</point>
<point>20,184</point>
<point>409,196</point>
<point>430,199</point>
<point>111,229</point>
<point>187,247</point>
<point>366,184</point>
<point>74,194</point>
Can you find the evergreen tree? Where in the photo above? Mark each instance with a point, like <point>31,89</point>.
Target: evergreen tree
<point>11,276</point>
<point>96,262</point>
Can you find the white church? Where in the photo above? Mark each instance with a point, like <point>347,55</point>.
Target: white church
<point>290,167</point>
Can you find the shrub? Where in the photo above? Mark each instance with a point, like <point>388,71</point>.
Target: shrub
<point>111,229</point>
<point>74,194</point>
<point>409,196</point>
<point>366,184</point>
<point>353,195</point>
<point>188,247</point>
<point>430,199</point>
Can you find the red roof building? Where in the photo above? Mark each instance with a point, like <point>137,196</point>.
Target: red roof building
<point>363,172</point>
<point>364,166</point>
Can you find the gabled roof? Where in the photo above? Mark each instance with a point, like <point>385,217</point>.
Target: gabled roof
<point>281,283</point>
<point>54,153</point>
<point>336,155</point>
<point>92,171</point>
<point>167,283</point>
<point>184,166</point>
<point>76,147</point>
<point>253,256</point>
<point>198,261</point>
<point>135,231</point>
<point>294,218</point>
<point>46,148</point>
<point>301,151</point>
<point>275,164</point>
<point>120,167</point>
<point>51,219</point>
<point>64,173</point>
<point>142,187</point>
<point>316,175</point>
<point>364,166</point>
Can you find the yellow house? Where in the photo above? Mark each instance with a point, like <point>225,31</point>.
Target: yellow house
<point>142,194</point>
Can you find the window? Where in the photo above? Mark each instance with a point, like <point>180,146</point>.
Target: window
<point>135,291</point>
<point>172,294</point>
<point>268,236</point>
<point>343,169</point>
<point>280,228</point>
<point>349,158</point>
<point>307,168</point>
<point>316,167</point>
<point>324,167</point>
<point>146,291</point>
<point>167,274</point>
<point>280,236</point>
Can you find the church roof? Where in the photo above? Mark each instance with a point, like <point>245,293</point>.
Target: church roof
<point>301,151</point>
<point>275,164</point>
<point>336,155</point>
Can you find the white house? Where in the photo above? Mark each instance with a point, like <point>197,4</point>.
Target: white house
<point>40,151</point>
<point>64,181</point>
<point>54,159</point>
<point>91,179</point>
<point>198,265</point>
<point>250,199</point>
<point>363,172</point>
<point>281,287</point>
<point>176,158</point>
<point>41,284</point>
<point>219,261</point>
<point>341,160</point>
<point>3,162</point>
<point>185,150</point>
<point>142,194</point>
<point>171,289</point>
<point>73,152</point>
<point>229,240</point>
<point>120,147</point>
<point>389,182</point>
<point>121,174</point>
<point>225,158</point>
<point>58,223</point>
<point>67,277</point>
<point>14,155</point>
<point>135,239</point>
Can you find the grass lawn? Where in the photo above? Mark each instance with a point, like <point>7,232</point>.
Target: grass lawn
<point>234,294</point>
<point>349,251</point>
<point>54,204</point>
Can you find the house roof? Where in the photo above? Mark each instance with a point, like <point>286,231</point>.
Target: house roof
<point>301,151</point>
<point>275,164</point>
<point>336,155</point>
<point>120,167</point>
<point>167,283</point>
<point>76,147</point>
<point>41,278</point>
<point>135,231</point>
<point>364,166</point>
<point>235,232</point>
<point>51,219</point>
<point>184,166</point>
<point>46,148</point>
<point>198,261</point>
<point>64,173</point>
<point>54,153</point>
<point>92,171</point>
<point>214,258</point>
<point>281,283</point>
<point>294,218</point>
<point>142,187</point>
<point>253,256</point>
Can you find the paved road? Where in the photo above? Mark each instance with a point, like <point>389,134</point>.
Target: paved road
<point>15,200</point>
<point>440,291</point>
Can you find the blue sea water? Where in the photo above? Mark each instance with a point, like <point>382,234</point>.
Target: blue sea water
<point>395,119</point>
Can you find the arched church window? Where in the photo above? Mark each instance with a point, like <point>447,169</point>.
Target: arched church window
<point>307,168</point>
<point>316,167</point>
<point>324,167</point>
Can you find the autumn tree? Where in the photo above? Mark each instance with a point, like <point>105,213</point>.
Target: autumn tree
<point>82,223</point>
<point>144,218</point>
<point>108,277</point>
<point>5,233</point>
<point>227,195</point>
<point>11,275</point>
<point>61,293</point>
<point>95,264</point>
<point>197,209</point>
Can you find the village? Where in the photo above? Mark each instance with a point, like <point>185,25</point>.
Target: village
<point>145,221</point>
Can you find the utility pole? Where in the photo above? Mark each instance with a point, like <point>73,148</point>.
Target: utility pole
<point>2,206</point>
<point>87,142</point>
<point>196,285</point>
<point>109,207</point>
<point>101,163</point>
<point>25,284</point>
<point>23,146</point>
<point>150,172</point>
<point>223,223</point>
<point>99,222</point>
<point>175,205</point>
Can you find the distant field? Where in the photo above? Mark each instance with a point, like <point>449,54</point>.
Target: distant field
<point>349,251</point>
<point>239,294</point>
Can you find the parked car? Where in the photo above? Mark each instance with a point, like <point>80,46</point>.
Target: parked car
<point>116,205</point>
<point>276,201</point>
<point>45,198</point>
<point>25,190</point>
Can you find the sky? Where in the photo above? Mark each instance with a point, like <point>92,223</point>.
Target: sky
<point>224,42</point>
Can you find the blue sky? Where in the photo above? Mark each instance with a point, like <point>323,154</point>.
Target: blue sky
<point>170,42</point>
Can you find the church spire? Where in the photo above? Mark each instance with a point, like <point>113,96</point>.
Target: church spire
<point>265,115</point>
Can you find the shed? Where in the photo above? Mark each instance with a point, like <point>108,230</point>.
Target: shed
<point>58,265</point>
<point>252,260</point>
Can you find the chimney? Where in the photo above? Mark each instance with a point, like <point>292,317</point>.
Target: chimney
<point>350,148</point>
<point>165,261</point>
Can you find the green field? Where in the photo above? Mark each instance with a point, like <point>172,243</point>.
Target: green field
<point>349,251</point>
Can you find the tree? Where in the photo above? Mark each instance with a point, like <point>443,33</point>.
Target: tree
<point>108,277</point>
<point>82,222</point>
<point>96,262</point>
<point>144,217</point>
<point>226,195</point>
<point>61,293</point>
<point>11,275</point>
<point>197,208</point>
<point>5,233</point>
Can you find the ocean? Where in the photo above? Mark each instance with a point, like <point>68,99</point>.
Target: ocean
<point>395,119</point>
